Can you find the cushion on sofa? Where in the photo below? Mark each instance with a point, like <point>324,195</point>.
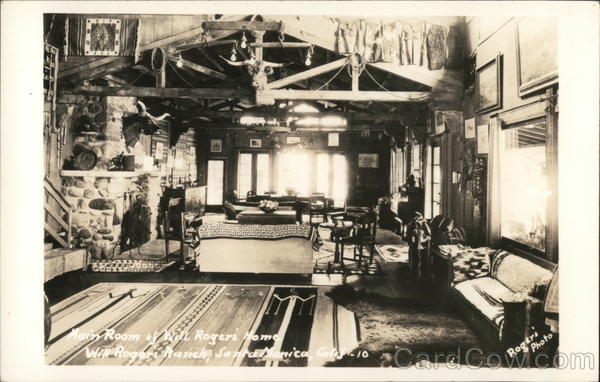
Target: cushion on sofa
<point>486,294</point>
<point>518,274</point>
<point>470,264</point>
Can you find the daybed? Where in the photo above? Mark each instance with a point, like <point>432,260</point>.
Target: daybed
<point>501,296</point>
<point>241,248</point>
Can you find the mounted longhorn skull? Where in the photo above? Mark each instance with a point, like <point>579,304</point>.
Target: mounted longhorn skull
<point>258,69</point>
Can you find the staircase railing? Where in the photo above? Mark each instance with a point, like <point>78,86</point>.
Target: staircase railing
<point>60,212</point>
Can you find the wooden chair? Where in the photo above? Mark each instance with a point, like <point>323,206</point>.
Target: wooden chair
<point>363,236</point>
<point>181,226</point>
<point>318,206</point>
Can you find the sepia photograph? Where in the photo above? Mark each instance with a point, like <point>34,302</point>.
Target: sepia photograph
<point>265,189</point>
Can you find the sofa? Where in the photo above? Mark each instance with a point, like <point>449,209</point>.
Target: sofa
<point>241,248</point>
<point>501,296</point>
<point>232,209</point>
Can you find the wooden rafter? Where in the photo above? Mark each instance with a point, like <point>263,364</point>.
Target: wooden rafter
<point>201,69</point>
<point>242,25</point>
<point>206,93</point>
<point>345,95</point>
<point>357,116</point>
<point>307,74</point>
<point>114,79</point>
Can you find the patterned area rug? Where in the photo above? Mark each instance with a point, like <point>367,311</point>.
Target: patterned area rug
<point>199,325</point>
<point>419,325</point>
<point>129,265</point>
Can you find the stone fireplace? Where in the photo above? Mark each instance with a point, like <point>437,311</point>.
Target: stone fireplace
<point>102,198</point>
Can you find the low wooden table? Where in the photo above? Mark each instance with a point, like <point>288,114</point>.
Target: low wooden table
<point>259,217</point>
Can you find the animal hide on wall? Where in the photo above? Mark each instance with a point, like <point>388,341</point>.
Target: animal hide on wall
<point>420,44</point>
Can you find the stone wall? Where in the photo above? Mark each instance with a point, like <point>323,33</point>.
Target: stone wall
<point>100,205</point>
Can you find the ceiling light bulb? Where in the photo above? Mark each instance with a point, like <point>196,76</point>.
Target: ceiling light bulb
<point>179,62</point>
<point>233,56</point>
<point>308,57</point>
<point>243,41</point>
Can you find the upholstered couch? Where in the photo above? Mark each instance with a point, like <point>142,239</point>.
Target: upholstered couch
<point>504,302</point>
<point>242,248</point>
<point>232,209</point>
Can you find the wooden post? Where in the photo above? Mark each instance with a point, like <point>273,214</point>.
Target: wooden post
<point>258,52</point>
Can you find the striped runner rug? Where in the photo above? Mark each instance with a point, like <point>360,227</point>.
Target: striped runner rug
<point>200,324</point>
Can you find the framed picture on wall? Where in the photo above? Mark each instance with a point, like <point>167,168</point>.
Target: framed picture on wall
<point>216,145</point>
<point>469,128</point>
<point>368,160</point>
<point>537,53</point>
<point>488,86</point>
<point>333,139</point>
<point>255,142</point>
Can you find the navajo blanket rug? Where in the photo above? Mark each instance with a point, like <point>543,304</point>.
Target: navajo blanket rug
<point>101,37</point>
<point>259,231</point>
<point>196,324</point>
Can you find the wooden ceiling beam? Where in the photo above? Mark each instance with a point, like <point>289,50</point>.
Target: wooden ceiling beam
<point>201,69</point>
<point>360,116</point>
<point>143,69</point>
<point>116,80</point>
<point>204,93</point>
<point>242,25</point>
<point>307,74</point>
<point>345,95</point>
<point>280,44</point>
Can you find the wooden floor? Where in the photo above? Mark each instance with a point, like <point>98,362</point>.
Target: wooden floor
<point>199,324</point>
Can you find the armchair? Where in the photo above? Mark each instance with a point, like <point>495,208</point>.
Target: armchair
<point>363,236</point>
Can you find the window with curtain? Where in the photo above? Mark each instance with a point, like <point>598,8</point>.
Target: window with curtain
<point>436,180</point>
<point>523,183</point>
<point>339,193</point>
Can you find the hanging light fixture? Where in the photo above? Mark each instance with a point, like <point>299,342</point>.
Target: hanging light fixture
<point>179,62</point>
<point>233,56</point>
<point>243,41</point>
<point>309,53</point>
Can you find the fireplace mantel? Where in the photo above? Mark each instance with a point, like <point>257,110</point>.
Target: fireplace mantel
<point>110,174</point>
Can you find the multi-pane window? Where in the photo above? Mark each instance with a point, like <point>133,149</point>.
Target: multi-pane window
<point>253,173</point>
<point>294,173</point>
<point>262,174</point>
<point>215,179</point>
<point>524,184</point>
<point>244,174</point>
